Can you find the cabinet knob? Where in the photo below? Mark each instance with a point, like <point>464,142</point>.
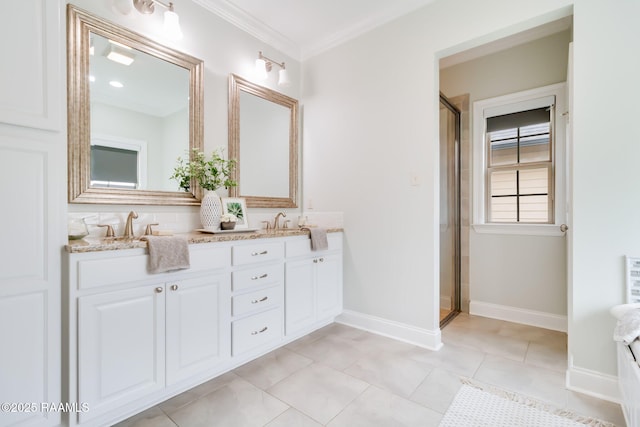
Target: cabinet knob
<point>321,259</point>
<point>159,290</point>
<point>259,253</point>
<point>174,287</point>
<point>263,299</point>
<point>315,260</point>
<point>262,276</point>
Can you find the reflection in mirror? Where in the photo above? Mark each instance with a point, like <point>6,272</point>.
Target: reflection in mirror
<point>146,102</point>
<point>134,107</point>
<point>263,138</point>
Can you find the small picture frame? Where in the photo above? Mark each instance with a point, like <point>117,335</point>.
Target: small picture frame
<point>238,207</point>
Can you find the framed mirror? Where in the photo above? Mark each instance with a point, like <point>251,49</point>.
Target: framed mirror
<point>134,106</point>
<point>263,138</point>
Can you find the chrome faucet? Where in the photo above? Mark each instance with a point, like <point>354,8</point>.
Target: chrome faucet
<point>276,221</point>
<point>128,228</point>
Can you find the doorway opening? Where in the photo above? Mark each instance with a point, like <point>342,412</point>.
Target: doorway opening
<point>450,230</point>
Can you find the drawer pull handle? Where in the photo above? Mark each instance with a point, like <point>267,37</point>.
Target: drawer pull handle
<point>159,290</point>
<point>255,301</point>
<point>260,331</point>
<point>174,287</point>
<point>259,253</point>
<point>259,277</point>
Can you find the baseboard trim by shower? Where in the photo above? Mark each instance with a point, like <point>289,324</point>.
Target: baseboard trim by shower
<point>429,339</point>
<point>540,319</point>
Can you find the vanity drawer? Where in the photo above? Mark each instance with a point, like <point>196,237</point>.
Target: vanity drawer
<point>93,273</point>
<point>262,276</point>
<point>258,252</point>
<point>256,330</point>
<point>256,300</point>
<point>302,247</point>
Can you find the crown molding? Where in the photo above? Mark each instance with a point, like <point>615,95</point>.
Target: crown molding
<point>226,10</point>
<point>248,23</point>
<point>370,22</point>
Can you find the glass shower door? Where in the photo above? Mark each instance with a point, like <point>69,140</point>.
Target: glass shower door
<point>449,211</point>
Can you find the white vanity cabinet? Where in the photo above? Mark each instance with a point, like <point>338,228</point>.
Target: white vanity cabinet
<point>142,336</point>
<point>313,290</point>
<point>133,339</point>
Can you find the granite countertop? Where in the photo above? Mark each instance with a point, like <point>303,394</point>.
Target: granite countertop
<point>97,244</point>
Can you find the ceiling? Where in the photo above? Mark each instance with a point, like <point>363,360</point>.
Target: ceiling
<point>304,28</point>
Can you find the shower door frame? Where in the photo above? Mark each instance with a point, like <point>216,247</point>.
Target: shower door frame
<point>456,205</point>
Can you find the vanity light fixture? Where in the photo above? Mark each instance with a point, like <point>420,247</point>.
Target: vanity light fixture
<point>119,55</point>
<point>171,19</point>
<point>264,65</point>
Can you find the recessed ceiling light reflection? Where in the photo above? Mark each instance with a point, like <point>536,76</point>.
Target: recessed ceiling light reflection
<point>92,79</point>
<point>116,83</point>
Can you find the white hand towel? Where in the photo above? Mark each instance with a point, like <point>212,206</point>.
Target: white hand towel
<point>318,237</point>
<point>167,253</point>
<point>628,327</point>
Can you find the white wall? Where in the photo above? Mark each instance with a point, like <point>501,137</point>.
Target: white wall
<point>371,120</point>
<point>521,272</point>
<point>606,223</point>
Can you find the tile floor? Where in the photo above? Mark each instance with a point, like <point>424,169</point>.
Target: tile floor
<point>342,376</point>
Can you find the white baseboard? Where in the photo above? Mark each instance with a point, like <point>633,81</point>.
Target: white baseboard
<point>593,383</point>
<point>429,339</point>
<point>540,319</point>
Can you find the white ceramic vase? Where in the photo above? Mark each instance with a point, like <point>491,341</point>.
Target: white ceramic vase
<point>210,210</point>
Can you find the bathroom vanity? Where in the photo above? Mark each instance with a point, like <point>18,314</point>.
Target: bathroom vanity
<point>132,339</point>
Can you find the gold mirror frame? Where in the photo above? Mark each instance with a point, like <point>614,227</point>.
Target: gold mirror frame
<point>79,24</point>
<point>237,84</point>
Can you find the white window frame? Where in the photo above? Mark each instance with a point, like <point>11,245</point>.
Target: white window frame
<point>136,145</point>
<point>506,104</point>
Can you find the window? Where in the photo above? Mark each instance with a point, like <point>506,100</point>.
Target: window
<point>518,169</point>
<point>118,162</point>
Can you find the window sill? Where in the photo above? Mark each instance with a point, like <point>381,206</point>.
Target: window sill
<point>520,229</point>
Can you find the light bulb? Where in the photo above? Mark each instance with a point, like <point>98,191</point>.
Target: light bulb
<point>172,25</point>
<point>261,69</point>
<point>283,78</point>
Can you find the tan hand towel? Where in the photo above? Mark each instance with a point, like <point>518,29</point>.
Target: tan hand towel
<point>318,238</point>
<point>167,253</point>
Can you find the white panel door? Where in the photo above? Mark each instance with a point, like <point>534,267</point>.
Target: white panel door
<point>23,357</point>
<point>120,347</point>
<point>31,73</point>
<point>329,285</point>
<point>29,274</point>
<point>300,299</point>
<point>198,334</point>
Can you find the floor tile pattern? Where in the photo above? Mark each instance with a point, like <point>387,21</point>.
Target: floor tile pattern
<point>342,376</point>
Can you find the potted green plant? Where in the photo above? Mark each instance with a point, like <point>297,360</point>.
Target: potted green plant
<point>211,173</point>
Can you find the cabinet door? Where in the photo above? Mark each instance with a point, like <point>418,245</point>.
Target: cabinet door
<point>198,317</point>
<point>120,347</point>
<point>299,295</point>
<point>328,285</point>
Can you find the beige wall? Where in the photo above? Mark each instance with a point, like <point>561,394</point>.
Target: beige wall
<point>520,272</point>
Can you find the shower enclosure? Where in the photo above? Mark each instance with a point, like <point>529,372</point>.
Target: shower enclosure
<point>449,211</point>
